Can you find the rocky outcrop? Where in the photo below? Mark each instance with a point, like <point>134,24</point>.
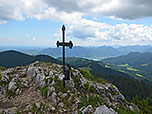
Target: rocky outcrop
<point>87,110</point>
<point>12,86</point>
<point>38,88</point>
<point>104,110</point>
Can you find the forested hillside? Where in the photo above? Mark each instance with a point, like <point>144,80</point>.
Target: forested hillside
<point>14,58</point>
<point>138,64</point>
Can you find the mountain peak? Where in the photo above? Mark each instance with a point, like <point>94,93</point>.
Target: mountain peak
<point>38,88</point>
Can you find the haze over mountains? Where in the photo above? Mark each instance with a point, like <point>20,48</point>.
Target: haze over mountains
<point>97,53</point>
<point>94,53</point>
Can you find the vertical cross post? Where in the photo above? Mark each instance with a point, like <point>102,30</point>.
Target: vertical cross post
<point>64,44</point>
<point>63,33</point>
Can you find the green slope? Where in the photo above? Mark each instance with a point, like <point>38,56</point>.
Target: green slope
<point>139,64</point>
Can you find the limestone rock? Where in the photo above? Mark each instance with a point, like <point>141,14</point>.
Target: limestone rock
<point>52,108</point>
<point>39,80</point>
<point>61,104</point>
<point>51,95</point>
<point>135,107</point>
<point>50,91</point>
<point>5,78</point>
<point>28,107</point>
<point>119,96</point>
<point>107,101</point>
<point>51,73</point>
<point>53,98</point>
<point>2,89</point>
<point>64,95</point>
<point>32,72</point>
<point>12,86</point>
<point>37,75</point>
<point>25,82</point>
<point>8,71</point>
<point>87,110</point>
<point>18,91</point>
<point>37,105</point>
<point>113,88</point>
<point>104,110</point>
<point>30,113</point>
<point>131,108</point>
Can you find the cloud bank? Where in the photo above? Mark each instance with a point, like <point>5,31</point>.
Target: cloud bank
<point>128,9</point>
<point>71,12</point>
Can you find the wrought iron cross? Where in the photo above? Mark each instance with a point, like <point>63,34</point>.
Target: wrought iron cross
<point>64,44</point>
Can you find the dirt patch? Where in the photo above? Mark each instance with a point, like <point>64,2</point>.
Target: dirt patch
<point>29,96</point>
<point>5,105</point>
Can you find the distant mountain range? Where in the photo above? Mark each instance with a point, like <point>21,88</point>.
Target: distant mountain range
<point>96,53</point>
<point>137,48</point>
<point>27,50</point>
<point>87,52</point>
<point>93,53</point>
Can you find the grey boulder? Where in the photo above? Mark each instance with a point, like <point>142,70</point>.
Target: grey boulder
<point>104,110</point>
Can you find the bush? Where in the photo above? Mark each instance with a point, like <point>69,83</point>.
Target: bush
<point>9,93</point>
<point>87,86</point>
<point>94,100</point>
<point>100,80</point>
<point>0,77</point>
<point>143,105</point>
<point>87,74</point>
<point>2,68</point>
<point>44,91</point>
<point>123,110</point>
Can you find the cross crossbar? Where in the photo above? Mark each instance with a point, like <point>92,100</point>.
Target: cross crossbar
<point>68,44</point>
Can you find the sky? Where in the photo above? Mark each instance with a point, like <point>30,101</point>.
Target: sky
<point>88,22</point>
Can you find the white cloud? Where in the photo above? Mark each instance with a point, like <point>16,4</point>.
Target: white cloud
<point>33,38</point>
<point>3,22</point>
<point>128,9</point>
<point>61,10</point>
<point>86,28</point>
<point>30,37</point>
<point>116,9</point>
<point>27,35</point>
<point>11,10</point>
<point>104,34</point>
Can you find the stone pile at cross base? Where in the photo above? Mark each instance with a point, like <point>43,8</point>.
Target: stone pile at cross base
<point>38,89</point>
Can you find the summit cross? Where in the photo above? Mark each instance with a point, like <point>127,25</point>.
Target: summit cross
<point>64,44</point>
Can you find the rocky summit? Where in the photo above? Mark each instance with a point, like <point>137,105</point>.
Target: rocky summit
<point>38,89</point>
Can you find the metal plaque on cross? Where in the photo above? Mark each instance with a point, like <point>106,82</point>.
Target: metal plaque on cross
<point>67,68</point>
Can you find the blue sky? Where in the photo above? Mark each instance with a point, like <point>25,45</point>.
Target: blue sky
<point>88,23</point>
